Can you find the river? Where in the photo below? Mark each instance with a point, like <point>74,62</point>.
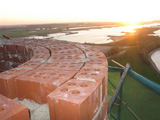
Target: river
<point>156,58</point>
<point>97,36</point>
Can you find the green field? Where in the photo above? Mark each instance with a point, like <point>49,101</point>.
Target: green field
<point>133,100</point>
<point>137,55</point>
<point>132,57</point>
<point>27,30</point>
<point>13,33</point>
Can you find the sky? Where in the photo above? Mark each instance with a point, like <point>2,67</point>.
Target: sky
<point>13,12</point>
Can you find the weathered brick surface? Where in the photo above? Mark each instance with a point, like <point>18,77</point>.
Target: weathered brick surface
<point>16,58</point>
<point>12,55</point>
<point>2,48</point>
<point>5,65</point>
<point>1,56</point>
<point>11,49</point>
<point>21,50</point>
<point>7,57</point>
<point>14,64</point>
<point>29,53</point>
<point>11,60</point>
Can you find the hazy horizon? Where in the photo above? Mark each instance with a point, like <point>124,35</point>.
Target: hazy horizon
<point>19,12</point>
<point>114,22</point>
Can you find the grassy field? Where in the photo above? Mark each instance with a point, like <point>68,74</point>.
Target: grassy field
<point>13,33</point>
<point>132,57</point>
<point>135,100</point>
<point>138,43</point>
<point>143,102</point>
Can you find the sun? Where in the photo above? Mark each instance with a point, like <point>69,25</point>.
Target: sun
<point>132,21</point>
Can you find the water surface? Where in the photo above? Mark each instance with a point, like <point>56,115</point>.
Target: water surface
<point>96,36</point>
<point>156,58</point>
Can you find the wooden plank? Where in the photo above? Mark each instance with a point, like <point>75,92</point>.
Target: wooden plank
<point>118,87</point>
<point>118,64</point>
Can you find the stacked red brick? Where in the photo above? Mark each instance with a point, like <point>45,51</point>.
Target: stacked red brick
<point>11,110</point>
<point>72,75</point>
<point>13,55</point>
<point>85,96</point>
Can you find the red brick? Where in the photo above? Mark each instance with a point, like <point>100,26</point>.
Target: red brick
<point>1,56</point>
<point>94,74</point>
<point>37,84</point>
<point>5,65</point>
<point>97,62</point>
<point>31,64</point>
<point>16,58</point>
<point>7,81</point>
<point>64,58</point>
<point>95,54</point>
<point>87,49</point>
<point>102,113</point>
<point>68,51</point>
<point>62,48</point>
<point>11,110</point>
<point>42,57</point>
<point>79,101</point>
<point>14,65</point>
<point>23,59</point>
<point>61,66</point>
<point>29,53</point>
<point>104,108</point>
<point>2,48</point>
<point>11,49</point>
<point>21,50</point>
<point>75,99</point>
<point>7,57</point>
<point>41,51</point>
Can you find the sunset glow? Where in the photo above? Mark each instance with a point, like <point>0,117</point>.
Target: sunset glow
<point>50,11</point>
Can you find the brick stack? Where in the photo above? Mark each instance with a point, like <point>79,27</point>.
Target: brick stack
<point>71,77</point>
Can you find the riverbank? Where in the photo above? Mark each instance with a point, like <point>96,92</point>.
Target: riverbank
<point>117,38</point>
<point>105,47</point>
<point>137,53</point>
<point>27,31</point>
